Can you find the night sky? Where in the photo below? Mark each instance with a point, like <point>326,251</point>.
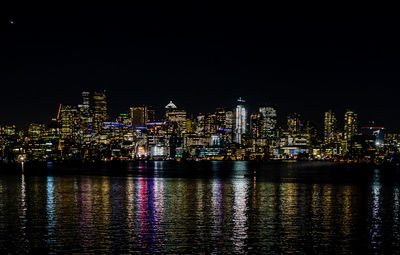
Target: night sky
<point>200,59</point>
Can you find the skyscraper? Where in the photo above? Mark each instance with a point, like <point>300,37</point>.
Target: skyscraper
<point>175,118</point>
<point>85,112</point>
<point>141,115</point>
<point>350,129</point>
<point>240,121</point>
<point>69,121</point>
<point>256,125</point>
<point>330,127</point>
<point>99,110</point>
<point>294,123</point>
<point>269,121</point>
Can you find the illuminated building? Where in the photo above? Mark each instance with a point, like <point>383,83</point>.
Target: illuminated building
<point>294,123</point>
<point>330,127</point>
<point>210,124</point>
<point>156,139</point>
<point>35,131</point>
<point>214,121</point>
<point>141,115</point>
<point>228,126</point>
<point>69,120</point>
<point>220,116</point>
<point>392,143</point>
<point>200,124</point>
<point>255,125</point>
<point>99,111</point>
<point>350,129</point>
<point>175,118</point>
<point>8,130</point>
<point>240,121</point>
<point>190,125</point>
<point>291,145</point>
<point>269,121</point>
<point>85,111</point>
<point>372,130</point>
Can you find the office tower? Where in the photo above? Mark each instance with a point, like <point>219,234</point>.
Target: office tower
<point>210,124</point>
<point>69,120</point>
<point>294,123</point>
<point>85,112</point>
<point>141,115</point>
<point>200,124</point>
<point>330,127</point>
<point>228,126</point>
<point>229,120</point>
<point>190,125</point>
<point>269,121</point>
<point>240,121</point>
<point>350,129</point>
<point>256,125</point>
<point>175,118</point>
<point>99,111</point>
<point>220,115</point>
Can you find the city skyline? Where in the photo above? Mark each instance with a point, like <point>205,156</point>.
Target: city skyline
<point>149,55</point>
<point>157,113</point>
<point>87,132</point>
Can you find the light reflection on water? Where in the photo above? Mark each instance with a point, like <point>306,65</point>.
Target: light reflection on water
<point>121,214</point>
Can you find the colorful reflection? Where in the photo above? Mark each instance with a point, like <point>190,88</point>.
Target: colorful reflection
<point>232,214</point>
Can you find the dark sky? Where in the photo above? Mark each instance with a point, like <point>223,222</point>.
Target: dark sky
<point>200,59</point>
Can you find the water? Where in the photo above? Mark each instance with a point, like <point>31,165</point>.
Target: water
<point>213,208</point>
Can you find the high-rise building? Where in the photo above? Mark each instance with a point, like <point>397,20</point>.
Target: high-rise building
<point>256,125</point>
<point>269,121</point>
<point>220,115</point>
<point>99,111</point>
<point>141,115</point>
<point>350,129</point>
<point>175,118</point>
<point>85,112</point>
<point>69,120</point>
<point>240,121</point>
<point>330,127</point>
<point>294,123</point>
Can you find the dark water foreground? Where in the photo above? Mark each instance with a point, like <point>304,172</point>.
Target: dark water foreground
<point>167,207</point>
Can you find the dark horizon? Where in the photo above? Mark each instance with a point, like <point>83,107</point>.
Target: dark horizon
<point>201,59</point>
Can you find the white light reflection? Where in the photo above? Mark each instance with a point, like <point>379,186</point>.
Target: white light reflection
<point>396,208</point>
<point>376,220</point>
<point>240,193</point>
<point>216,211</point>
<point>23,203</point>
<point>51,220</point>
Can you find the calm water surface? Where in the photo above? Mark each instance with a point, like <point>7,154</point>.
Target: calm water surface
<point>166,207</point>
